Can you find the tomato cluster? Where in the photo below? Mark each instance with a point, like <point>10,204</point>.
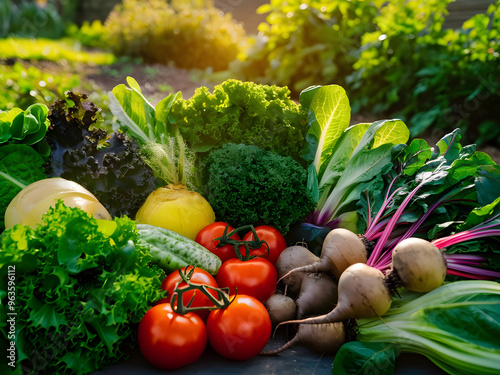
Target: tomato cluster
<point>253,273</point>
<point>225,311</point>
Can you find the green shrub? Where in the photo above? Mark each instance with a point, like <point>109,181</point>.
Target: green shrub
<point>434,78</point>
<point>191,34</point>
<point>89,34</point>
<point>305,42</point>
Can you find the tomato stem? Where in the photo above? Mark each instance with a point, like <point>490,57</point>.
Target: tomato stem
<point>256,243</point>
<point>177,302</point>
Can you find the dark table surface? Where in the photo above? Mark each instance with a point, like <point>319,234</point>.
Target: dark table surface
<point>297,360</point>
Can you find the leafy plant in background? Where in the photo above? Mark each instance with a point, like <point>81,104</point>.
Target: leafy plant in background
<point>433,78</point>
<point>190,34</point>
<point>26,19</point>
<point>89,34</point>
<point>305,42</point>
<point>67,49</point>
<point>24,85</point>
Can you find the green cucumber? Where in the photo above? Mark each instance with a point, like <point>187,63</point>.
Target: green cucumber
<point>171,250</point>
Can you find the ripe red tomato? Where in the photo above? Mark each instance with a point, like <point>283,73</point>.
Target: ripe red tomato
<point>255,277</point>
<point>169,340</point>
<point>199,277</point>
<point>241,330</point>
<point>206,237</point>
<point>274,240</point>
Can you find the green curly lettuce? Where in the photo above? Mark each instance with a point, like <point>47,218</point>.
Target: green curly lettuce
<point>248,185</point>
<point>81,287</point>
<point>243,113</point>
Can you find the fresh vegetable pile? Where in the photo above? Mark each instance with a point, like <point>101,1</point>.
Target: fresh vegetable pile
<point>169,229</point>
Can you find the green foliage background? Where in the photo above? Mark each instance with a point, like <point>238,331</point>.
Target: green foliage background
<point>395,58</point>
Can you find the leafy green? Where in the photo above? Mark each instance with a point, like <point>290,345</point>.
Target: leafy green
<point>248,185</point>
<point>163,147</point>
<point>329,118</point>
<point>79,292</point>
<point>346,160</point>
<point>243,113</point>
<point>20,165</point>
<point>26,127</point>
<point>456,326</point>
<point>444,180</point>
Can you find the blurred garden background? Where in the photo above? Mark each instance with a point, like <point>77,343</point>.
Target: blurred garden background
<point>432,63</point>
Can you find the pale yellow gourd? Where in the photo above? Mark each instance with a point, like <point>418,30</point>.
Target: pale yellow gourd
<point>176,208</point>
<point>29,205</point>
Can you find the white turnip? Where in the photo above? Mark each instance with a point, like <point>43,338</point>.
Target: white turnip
<point>324,338</point>
<point>318,295</point>
<point>290,258</point>
<point>341,248</point>
<point>417,265</point>
<point>363,293</point>
<point>280,308</point>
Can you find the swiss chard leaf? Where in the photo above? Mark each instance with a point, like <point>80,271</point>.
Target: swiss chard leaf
<point>487,183</point>
<point>357,358</point>
<point>456,326</point>
<point>415,156</point>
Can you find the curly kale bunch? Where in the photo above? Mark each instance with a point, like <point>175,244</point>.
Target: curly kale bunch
<point>242,112</point>
<point>248,185</point>
<point>109,166</point>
